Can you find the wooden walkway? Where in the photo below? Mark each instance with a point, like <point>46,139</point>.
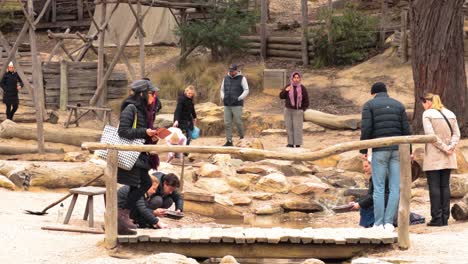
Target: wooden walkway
<point>323,243</point>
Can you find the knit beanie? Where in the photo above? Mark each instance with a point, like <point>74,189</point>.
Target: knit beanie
<point>378,87</point>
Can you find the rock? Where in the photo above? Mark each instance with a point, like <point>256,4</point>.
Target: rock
<point>308,206</point>
<point>221,159</point>
<point>6,183</point>
<point>254,143</point>
<point>210,119</point>
<point>75,157</point>
<point>262,196</point>
<point>255,169</point>
<point>276,132</point>
<point>287,167</point>
<point>240,200</point>
<point>313,261</point>
<point>164,120</point>
<point>164,258</point>
<point>168,168</point>
<point>239,183</point>
<point>236,162</point>
<point>209,170</point>
<point>330,161</point>
<point>274,183</point>
<point>196,157</point>
<point>252,178</point>
<point>228,260</point>
<point>369,261</point>
<point>310,128</point>
<point>458,185</point>
<point>461,162</point>
<point>267,210</point>
<point>213,185</point>
<point>351,164</point>
<point>310,187</point>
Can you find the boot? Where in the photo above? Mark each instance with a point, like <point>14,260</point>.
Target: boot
<point>122,229</point>
<point>124,218</point>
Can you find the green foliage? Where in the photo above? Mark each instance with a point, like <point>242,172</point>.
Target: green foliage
<point>221,33</point>
<point>353,34</point>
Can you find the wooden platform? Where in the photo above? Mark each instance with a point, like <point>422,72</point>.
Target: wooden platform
<point>323,243</point>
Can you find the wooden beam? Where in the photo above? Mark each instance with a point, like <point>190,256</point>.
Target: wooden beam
<point>41,14</point>
<point>38,83</point>
<point>405,197</point>
<point>267,154</point>
<point>305,33</point>
<point>115,38</point>
<point>263,29</point>
<point>54,11</point>
<point>100,88</point>
<point>111,200</point>
<point>13,50</point>
<point>383,21</point>
<point>79,7</point>
<point>137,17</point>
<point>63,85</point>
<point>404,36</point>
<point>29,19</point>
<point>101,58</point>
<point>141,39</point>
<point>57,46</point>
<point>69,55</point>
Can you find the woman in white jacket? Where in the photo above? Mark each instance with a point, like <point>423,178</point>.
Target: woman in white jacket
<point>439,157</point>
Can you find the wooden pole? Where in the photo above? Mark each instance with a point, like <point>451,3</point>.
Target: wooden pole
<point>54,11</point>
<point>63,85</point>
<point>267,154</point>
<point>79,7</point>
<point>405,197</point>
<point>383,20</point>
<point>12,52</point>
<point>38,84</point>
<point>305,33</point>
<point>329,22</point>
<point>141,38</point>
<point>183,22</point>
<point>110,217</point>
<point>102,100</point>
<point>263,29</point>
<point>404,36</point>
<point>181,189</point>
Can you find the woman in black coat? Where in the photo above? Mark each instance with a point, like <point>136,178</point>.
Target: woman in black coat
<point>11,83</point>
<point>137,105</point>
<point>185,117</point>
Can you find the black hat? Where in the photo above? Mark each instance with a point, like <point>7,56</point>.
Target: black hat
<point>139,86</point>
<point>378,87</point>
<point>233,67</point>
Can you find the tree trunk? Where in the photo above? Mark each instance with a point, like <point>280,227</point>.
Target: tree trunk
<point>437,55</point>
<point>333,121</point>
<point>460,209</point>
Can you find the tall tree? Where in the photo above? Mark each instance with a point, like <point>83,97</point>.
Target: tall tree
<point>437,54</point>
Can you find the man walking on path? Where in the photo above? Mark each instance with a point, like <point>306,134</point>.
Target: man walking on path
<point>384,117</point>
<point>234,89</point>
<point>11,83</point>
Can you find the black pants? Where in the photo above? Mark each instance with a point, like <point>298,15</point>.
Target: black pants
<point>160,202</point>
<point>11,109</point>
<point>439,194</point>
<point>136,193</point>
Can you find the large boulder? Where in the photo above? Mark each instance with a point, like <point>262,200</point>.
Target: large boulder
<point>287,167</point>
<point>310,128</point>
<point>255,169</point>
<point>267,209</point>
<point>310,187</point>
<point>237,199</point>
<point>209,171</point>
<point>213,185</point>
<point>461,162</point>
<point>239,183</point>
<point>164,120</point>
<point>252,178</point>
<point>458,185</point>
<point>353,163</point>
<point>274,183</point>
<point>6,183</point>
<point>308,206</point>
<point>330,161</point>
<point>228,260</point>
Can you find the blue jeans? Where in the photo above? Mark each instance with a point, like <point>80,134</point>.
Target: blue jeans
<point>385,164</point>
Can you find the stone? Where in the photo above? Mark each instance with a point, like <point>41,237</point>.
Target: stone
<point>209,171</point>
<point>221,159</point>
<point>310,187</point>
<point>236,162</point>
<point>213,185</point>
<point>275,132</point>
<point>351,164</point>
<point>267,209</point>
<point>262,196</point>
<point>164,120</point>
<point>252,178</point>
<point>310,128</point>
<point>168,168</point>
<point>461,162</point>
<point>164,258</point>
<point>239,183</point>
<point>274,183</point>
<point>458,185</point>
<point>255,169</point>
<point>287,167</point>
<point>240,200</point>
<point>301,205</point>
<point>254,143</point>
<point>312,261</point>
<point>228,260</point>
<point>6,183</point>
<point>330,161</point>
<point>368,261</point>
<point>75,157</point>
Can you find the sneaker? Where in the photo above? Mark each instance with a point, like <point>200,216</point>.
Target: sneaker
<point>289,146</point>
<point>389,227</point>
<point>298,146</point>
<point>228,144</point>
<point>378,228</point>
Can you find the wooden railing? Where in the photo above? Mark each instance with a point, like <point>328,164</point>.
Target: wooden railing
<point>405,171</point>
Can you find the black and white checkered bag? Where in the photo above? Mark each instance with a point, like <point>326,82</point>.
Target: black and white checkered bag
<point>126,159</point>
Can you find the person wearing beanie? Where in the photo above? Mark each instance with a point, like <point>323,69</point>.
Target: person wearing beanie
<point>11,83</point>
<point>383,116</point>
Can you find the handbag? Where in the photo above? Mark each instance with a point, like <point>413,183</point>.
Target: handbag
<point>126,159</point>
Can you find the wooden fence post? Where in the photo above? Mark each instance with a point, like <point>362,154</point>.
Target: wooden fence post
<point>382,23</point>
<point>110,217</point>
<point>63,85</point>
<point>405,197</point>
<point>101,69</point>
<point>305,33</point>
<point>263,30</point>
<point>404,36</point>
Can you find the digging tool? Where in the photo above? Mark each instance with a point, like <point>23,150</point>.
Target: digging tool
<point>43,212</point>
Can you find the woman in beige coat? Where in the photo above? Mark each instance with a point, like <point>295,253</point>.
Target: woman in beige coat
<point>439,157</point>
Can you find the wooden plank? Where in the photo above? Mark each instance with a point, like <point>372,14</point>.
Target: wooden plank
<point>111,200</point>
<point>351,236</point>
<point>274,235</point>
<point>249,234</point>
<point>200,197</point>
<point>123,239</point>
<point>405,197</point>
<point>228,235</point>
<point>216,235</point>
<point>63,85</point>
<point>239,236</point>
<point>69,228</point>
<point>156,235</point>
<point>185,235</point>
<point>262,235</point>
<point>306,235</point>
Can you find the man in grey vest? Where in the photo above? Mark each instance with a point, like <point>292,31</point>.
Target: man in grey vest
<point>234,89</point>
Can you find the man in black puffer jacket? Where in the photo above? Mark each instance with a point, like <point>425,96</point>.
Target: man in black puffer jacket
<point>384,117</point>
